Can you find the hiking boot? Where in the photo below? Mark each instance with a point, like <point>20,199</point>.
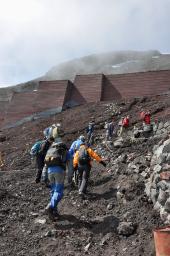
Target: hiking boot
<point>37,180</point>
<point>81,194</point>
<point>56,214</point>
<point>51,214</point>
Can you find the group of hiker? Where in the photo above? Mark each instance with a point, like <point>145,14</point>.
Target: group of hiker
<point>119,129</point>
<point>53,158</point>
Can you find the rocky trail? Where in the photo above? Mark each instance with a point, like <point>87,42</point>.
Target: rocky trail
<point>118,214</point>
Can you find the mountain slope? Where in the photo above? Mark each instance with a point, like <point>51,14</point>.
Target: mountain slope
<point>87,227</point>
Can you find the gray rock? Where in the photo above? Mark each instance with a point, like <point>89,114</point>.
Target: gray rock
<point>168,219</point>
<point>86,248</point>
<point>118,143</point>
<point>166,146</point>
<point>140,160</point>
<point>157,206</point>
<point>144,174</point>
<point>126,228</point>
<point>158,151</point>
<point>157,168</point>
<point>105,239</point>
<point>162,159</point>
<point>40,220</point>
<point>166,124</point>
<point>162,197</point>
<point>51,233</point>
<point>163,214</point>
<point>158,132</point>
<point>162,185</point>
<point>168,158</point>
<point>153,161</point>
<point>161,125</point>
<point>119,195</point>
<point>148,188</point>
<point>156,179</point>
<point>153,195</point>
<point>167,205</point>
<point>110,206</point>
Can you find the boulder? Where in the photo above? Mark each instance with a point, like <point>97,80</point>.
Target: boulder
<point>126,228</point>
<point>162,197</point>
<point>167,205</point>
<point>166,146</point>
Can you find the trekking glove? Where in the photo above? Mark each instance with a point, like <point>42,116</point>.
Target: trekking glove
<point>103,163</point>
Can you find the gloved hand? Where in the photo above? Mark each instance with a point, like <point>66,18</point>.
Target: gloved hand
<point>103,163</point>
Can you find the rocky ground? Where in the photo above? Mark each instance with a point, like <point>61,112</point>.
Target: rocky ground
<point>116,218</point>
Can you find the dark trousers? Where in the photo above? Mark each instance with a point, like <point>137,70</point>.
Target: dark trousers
<point>39,166</point>
<point>83,177</point>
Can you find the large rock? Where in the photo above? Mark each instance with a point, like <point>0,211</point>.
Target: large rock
<point>166,147</point>
<point>163,196</point>
<point>126,228</point>
<point>167,205</point>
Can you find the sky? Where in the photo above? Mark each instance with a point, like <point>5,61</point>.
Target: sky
<point>36,35</point>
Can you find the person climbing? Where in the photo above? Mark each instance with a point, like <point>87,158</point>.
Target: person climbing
<point>125,125</point>
<point>56,159</point>
<point>147,122</point>
<point>82,162</point>
<point>147,118</point>
<point>109,127</point>
<point>90,132</point>
<point>39,150</point>
<point>54,131</point>
<point>73,148</point>
<point>142,114</point>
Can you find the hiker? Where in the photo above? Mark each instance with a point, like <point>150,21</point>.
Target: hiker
<point>125,125</point>
<point>73,148</point>
<point>109,126</point>
<point>82,162</point>
<point>56,159</point>
<point>147,122</point>
<point>53,131</point>
<point>90,132</point>
<point>142,114</point>
<point>39,150</point>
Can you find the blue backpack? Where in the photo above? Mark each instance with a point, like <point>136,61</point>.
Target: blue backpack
<point>36,148</point>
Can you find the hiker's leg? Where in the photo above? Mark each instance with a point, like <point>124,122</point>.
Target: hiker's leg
<point>85,177</point>
<point>57,188</point>
<point>40,165</point>
<point>80,175</point>
<point>70,171</point>
<point>38,175</point>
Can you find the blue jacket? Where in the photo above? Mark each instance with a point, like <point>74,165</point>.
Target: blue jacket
<point>74,146</point>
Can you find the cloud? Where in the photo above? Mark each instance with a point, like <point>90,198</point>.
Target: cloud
<point>37,34</point>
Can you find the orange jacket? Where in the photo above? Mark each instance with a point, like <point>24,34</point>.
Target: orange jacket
<point>91,153</point>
